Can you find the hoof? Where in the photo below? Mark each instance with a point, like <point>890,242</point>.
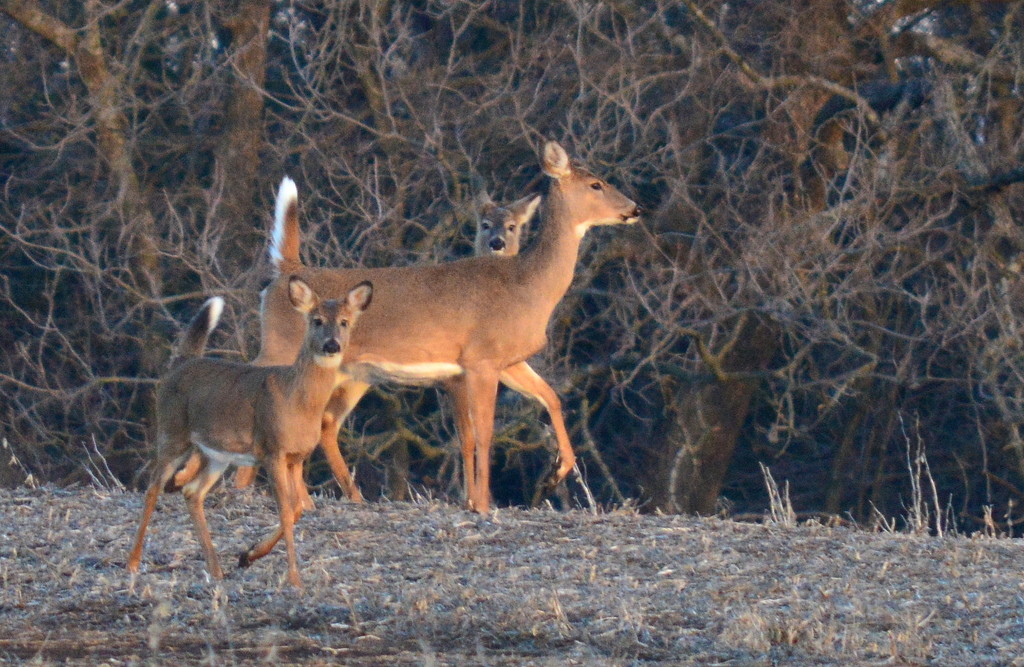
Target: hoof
<point>243,560</point>
<point>548,486</point>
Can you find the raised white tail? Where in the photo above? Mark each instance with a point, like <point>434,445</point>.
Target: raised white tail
<point>193,341</point>
<point>284,238</point>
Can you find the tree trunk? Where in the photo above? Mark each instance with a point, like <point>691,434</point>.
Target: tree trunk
<point>238,156</point>
<point>703,425</point>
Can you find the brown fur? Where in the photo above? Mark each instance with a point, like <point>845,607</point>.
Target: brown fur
<point>499,229</point>
<point>232,413</point>
<point>467,321</point>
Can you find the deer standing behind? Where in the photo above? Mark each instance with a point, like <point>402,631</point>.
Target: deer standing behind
<point>468,324</point>
<point>242,414</point>
<point>499,229</point>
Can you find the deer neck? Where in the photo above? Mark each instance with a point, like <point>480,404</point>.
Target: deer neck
<point>549,264</point>
<point>309,384</point>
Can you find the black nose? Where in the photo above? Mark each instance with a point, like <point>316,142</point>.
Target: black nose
<point>332,347</point>
<point>497,244</point>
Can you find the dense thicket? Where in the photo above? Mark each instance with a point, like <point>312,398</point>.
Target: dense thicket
<point>827,281</point>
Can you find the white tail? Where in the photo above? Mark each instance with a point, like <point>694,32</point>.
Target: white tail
<point>241,414</point>
<point>284,241</point>
<point>466,323</point>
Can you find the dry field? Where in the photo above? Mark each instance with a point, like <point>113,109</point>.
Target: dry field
<point>430,584</point>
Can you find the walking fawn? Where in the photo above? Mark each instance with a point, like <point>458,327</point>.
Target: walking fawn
<point>244,414</point>
<point>469,323</point>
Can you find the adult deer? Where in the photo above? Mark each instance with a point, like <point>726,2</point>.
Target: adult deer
<point>469,323</point>
<point>242,414</point>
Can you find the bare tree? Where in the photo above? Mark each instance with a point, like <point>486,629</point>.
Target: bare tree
<point>828,274</point>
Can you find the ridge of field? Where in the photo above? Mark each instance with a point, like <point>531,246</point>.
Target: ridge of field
<point>427,583</point>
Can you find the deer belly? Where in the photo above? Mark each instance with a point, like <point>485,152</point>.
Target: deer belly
<point>226,458</point>
<point>422,373</point>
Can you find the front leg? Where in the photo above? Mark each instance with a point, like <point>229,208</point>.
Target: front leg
<point>481,395</point>
<point>288,489</point>
<point>524,380</point>
<point>464,429</point>
<point>287,482</point>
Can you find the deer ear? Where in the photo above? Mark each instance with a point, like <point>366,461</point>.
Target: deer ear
<point>524,209</point>
<point>359,297</point>
<point>301,294</point>
<point>555,161</point>
<point>483,201</point>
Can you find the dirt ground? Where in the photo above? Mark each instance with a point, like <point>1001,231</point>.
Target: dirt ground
<point>430,584</point>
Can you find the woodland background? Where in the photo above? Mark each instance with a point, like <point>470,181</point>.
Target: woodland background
<point>827,281</point>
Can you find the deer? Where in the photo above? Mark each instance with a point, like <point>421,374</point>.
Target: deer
<point>219,412</point>
<point>499,231</point>
<point>468,324</point>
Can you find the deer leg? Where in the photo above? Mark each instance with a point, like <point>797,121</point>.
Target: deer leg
<point>296,487</point>
<point>261,548</point>
<point>289,511</point>
<point>160,478</point>
<point>482,392</point>
<point>464,428</point>
<point>339,407</point>
<point>524,380</point>
<point>185,474</point>
<point>244,476</point>
<point>286,488</point>
<point>195,495</point>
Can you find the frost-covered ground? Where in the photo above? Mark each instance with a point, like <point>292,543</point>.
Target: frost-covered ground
<point>389,583</point>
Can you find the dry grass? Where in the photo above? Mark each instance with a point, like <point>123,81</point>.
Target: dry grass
<point>430,584</point>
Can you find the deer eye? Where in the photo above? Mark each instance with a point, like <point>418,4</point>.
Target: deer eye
<point>596,185</point>
<point>485,226</point>
<point>343,324</point>
<point>318,321</point>
<point>511,228</point>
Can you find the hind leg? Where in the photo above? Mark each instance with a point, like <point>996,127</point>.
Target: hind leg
<point>162,475</point>
<point>185,473</point>
<point>244,476</point>
<point>195,495</point>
